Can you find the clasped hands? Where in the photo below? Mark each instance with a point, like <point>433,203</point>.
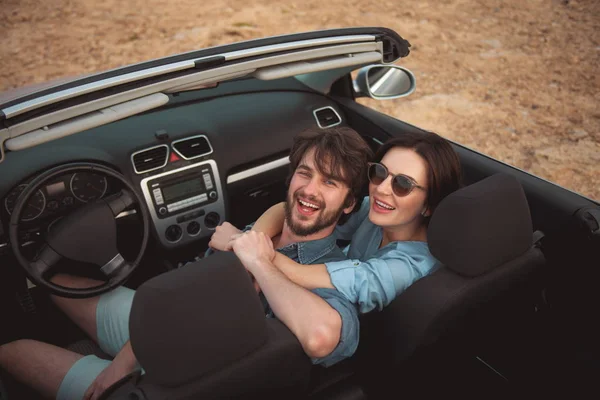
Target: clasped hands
<point>254,249</point>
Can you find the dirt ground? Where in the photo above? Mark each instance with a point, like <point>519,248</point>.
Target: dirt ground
<point>514,79</point>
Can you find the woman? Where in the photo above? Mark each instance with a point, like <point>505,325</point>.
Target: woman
<point>388,250</point>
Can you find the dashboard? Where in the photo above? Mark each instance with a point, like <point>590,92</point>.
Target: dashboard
<point>196,163</point>
<point>59,196</point>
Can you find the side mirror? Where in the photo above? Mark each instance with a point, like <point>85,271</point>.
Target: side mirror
<point>383,82</point>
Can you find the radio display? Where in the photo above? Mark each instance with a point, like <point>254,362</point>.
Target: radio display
<point>182,189</point>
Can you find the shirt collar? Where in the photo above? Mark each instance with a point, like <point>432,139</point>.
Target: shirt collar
<point>310,251</point>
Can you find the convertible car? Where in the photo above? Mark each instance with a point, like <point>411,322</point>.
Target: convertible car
<point>123,176</point>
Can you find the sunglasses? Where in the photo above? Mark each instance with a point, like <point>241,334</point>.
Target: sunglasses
<point>402,185</point>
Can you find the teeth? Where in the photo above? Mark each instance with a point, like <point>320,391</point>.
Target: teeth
<point>383,205</point>
<point>306,204</point>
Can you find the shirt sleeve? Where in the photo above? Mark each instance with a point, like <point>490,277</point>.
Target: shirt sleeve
<point>374,283</point>
<point>349,335</point>
<point>346,230</point>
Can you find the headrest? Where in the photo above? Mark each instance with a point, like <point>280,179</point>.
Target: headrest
<point>196,319</point>
<point>481,226</point>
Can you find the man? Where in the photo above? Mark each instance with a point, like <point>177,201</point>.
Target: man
<point>328,172</point>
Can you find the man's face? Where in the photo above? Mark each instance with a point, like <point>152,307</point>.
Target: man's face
<point>314,201</point>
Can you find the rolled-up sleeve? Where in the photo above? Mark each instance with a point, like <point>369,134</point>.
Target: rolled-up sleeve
<point>349,335</point>
<point>374,283</point>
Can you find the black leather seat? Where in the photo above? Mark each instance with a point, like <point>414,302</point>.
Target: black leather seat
<point>482,234</point>
<point>201,332</point>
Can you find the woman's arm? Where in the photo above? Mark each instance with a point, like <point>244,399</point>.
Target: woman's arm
<point>271,221</point>
<point>308,276</point>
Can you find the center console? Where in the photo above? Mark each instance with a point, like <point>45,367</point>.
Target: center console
<point>186,203</point>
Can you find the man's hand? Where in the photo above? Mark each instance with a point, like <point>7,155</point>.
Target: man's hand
<point>111,374</point>
<point>220,240</point>
<point>253,249</point>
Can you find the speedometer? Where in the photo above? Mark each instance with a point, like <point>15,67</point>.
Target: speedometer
<point>34,207</point>
<point>87,186</point>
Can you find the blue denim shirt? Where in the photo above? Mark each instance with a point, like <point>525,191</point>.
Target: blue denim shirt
<point>319,252</point>
<point>372,277</point>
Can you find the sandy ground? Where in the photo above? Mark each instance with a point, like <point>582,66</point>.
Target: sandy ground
<point>514,79</point>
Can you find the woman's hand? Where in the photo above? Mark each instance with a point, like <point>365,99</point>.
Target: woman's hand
<point>220,240</point>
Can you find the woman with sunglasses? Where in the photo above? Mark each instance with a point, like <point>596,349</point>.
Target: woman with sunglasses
<point>388,233</point>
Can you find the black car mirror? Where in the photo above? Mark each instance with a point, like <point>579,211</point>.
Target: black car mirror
<point>384,82</point>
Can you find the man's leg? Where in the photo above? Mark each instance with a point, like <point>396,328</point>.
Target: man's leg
<point>104,318</point>
<point>40,365</point>
<point>80,311</point>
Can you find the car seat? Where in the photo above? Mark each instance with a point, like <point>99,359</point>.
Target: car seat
<point>482,235</point>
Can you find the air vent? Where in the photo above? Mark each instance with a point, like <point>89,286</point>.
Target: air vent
<point>150,159</point>
<point>192,147</point>
<point>327,117</point>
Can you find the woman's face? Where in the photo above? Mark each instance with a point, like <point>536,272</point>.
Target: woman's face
<point>394,212</point>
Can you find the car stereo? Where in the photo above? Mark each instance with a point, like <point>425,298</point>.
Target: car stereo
<point>185,203</point>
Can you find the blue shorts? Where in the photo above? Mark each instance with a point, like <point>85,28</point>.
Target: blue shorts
<point>112,321</point>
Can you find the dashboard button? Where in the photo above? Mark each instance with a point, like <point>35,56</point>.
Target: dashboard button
<point>213,195</point>
<point>162,211</point>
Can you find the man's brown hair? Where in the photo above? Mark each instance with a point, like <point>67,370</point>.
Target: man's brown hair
<point>340,154</point>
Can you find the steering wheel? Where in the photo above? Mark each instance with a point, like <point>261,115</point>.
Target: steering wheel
<point>89,234</point>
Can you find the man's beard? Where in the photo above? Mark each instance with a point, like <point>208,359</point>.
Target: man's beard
<point>325,218</point>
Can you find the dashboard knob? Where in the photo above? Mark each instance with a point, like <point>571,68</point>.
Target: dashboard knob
<point>211,220</point>
<point>212,195</point>
<point>162,211</point>
<point>193,228</point>
<point>173,233</point>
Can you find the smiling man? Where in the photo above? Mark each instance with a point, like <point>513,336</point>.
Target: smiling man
<point>328,171</point>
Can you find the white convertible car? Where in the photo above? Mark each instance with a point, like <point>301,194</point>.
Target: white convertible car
<point>123,176</point>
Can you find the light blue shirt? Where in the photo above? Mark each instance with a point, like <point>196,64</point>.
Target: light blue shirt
<point>372,277</point>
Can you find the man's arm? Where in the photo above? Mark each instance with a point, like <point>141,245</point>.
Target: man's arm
<point>314,322</point>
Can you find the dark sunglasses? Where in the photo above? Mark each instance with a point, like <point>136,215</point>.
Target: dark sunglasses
<point>402,185</point>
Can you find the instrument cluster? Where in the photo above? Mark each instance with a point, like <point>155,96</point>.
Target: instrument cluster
<point>59,195</point>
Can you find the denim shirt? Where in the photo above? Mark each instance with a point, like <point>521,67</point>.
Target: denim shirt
<point>319,252</point>
<point>372,277</point>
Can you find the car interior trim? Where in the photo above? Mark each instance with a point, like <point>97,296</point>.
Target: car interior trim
<point>257,170</point>
<point>305,67</point>
<point>301,44</point>
<point>147,149</point>
<point>21,108</point>
<point>327,108</point>
<point>92,120</point>
<point>125,213</point>
<point>209,83</point>
<point>200,77</point>
<point>190,138</point>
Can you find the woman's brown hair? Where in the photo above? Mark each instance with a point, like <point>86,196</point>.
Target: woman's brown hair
<point>444,173</point>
